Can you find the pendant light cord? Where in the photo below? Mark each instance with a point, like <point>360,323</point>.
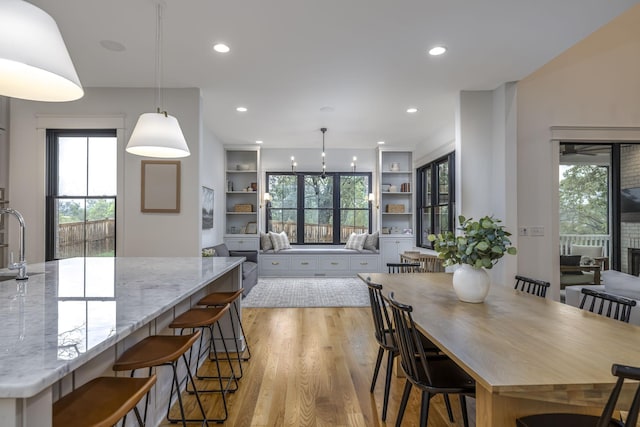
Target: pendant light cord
<point>158,64</point>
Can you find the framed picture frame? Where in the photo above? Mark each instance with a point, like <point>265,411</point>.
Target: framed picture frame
<point>160,186</point>
<point>252,228</point>
<point>207,208</point>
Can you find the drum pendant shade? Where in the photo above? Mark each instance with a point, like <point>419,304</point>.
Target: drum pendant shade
<point>34,61</point>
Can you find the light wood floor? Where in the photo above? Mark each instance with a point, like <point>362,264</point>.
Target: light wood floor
<point>313,367</point>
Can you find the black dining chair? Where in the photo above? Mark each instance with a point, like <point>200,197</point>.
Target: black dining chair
<point>386,342</point>
<point>613,306</point>
<point>403,267</point>
<point>532,286</point>
<point>605,419</point>
<point>432,374</point>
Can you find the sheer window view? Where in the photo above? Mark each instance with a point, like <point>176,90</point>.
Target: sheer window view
<point>82,194</point>
<point>326,202</point>
<point>584,197</point>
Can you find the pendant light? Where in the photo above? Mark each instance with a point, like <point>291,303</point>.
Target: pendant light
<point>34,61</point>
<point>324,166</point>
<point>158,134</point>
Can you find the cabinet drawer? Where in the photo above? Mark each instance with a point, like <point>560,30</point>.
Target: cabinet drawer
<point>242,243</point>
<point>364,263</point>
<point>334,263</point>
<point>275,262</point>
<point>304,263</point>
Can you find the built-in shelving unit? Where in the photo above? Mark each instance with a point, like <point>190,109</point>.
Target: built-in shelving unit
<point>396,203</point>
<point>242,199</point>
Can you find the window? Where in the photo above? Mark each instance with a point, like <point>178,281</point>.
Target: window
<point>436,198</point>
<point>81,193</point>
<point>313,209</point>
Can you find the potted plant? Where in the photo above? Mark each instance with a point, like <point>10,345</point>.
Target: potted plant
<point>480,245</point>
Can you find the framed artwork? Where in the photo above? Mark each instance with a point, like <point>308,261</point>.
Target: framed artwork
<point>207,208</point>
<point>252,228</point>
<point>160,183</point>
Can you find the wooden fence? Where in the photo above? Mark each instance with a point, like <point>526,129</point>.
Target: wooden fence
<point>315,233</point>
<point>97,236</point>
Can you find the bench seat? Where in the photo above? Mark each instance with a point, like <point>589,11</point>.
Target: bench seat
<point>317,262</point>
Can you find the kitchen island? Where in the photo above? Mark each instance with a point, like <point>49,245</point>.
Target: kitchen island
<point>72,318</point>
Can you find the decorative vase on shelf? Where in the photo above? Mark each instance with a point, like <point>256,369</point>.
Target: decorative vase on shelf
<point>471,284</point>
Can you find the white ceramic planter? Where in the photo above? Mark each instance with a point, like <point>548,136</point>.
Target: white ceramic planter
<point>471,284</point>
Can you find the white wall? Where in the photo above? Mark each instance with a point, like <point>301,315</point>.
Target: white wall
<point>212,176</point>
<point>485,164</point>
<point>594,83</point>
<point>141,234</point>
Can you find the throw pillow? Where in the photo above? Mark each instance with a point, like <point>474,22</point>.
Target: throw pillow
<point>265,242</point>
<point>279,240</point>
<point>371,242</point>
<point>356,241</point>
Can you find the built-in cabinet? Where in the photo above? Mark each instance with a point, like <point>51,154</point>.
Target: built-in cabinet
<point>396,190</point>
<point>242,199</point>
<point>396,204</point>
<point>391,247</point>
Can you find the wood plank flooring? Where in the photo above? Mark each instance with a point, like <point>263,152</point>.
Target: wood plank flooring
<point>313,367</point>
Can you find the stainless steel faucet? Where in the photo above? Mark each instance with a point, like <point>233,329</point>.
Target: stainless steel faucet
<point>21,265</point>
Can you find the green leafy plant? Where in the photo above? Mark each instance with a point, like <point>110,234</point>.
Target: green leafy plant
<point>481,244</point>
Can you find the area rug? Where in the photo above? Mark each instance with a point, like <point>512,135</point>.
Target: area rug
<point>272,292</point>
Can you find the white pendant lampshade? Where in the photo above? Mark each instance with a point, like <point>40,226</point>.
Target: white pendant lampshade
<point>34,61</point>
<point>158,135</point>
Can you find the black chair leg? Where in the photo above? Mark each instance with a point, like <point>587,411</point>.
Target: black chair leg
<point>424,408</point>
<point>465,415</point>
<point>387,384</point>
<point>376,369</point>
<point>447,403</point>
<point>403,403</point>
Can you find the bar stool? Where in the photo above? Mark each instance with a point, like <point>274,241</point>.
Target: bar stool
<point>102,401</point>
<point>163,350</point>
<point>218,299</point>
<point>208,318</point>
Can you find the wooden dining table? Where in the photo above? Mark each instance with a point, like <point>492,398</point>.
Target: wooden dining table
<point>527,354</point>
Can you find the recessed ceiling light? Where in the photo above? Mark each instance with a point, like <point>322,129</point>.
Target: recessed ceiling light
<point>412,110</point>
<point>241,109</point>
<point>259,141</point>
<point>112,45</point>
<point>380,142</point>
<point>437,50</point>
<point>221,48</point>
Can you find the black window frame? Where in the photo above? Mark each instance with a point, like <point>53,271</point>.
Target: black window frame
<point>431,201</point>
<point>52,171</point>
<point>300,210</point>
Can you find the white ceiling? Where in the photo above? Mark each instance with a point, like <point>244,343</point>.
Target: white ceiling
<point>289,58</point>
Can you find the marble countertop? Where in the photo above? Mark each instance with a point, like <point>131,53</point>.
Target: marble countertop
<point>71,310</point>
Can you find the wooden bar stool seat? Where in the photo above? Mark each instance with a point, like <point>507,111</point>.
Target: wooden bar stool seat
<point>101,402</point>
<point>209,318</point>
<point>217,299</point>
<point>164,350</point>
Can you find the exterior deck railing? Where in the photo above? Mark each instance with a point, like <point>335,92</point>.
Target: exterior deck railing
<point>567,240</point>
